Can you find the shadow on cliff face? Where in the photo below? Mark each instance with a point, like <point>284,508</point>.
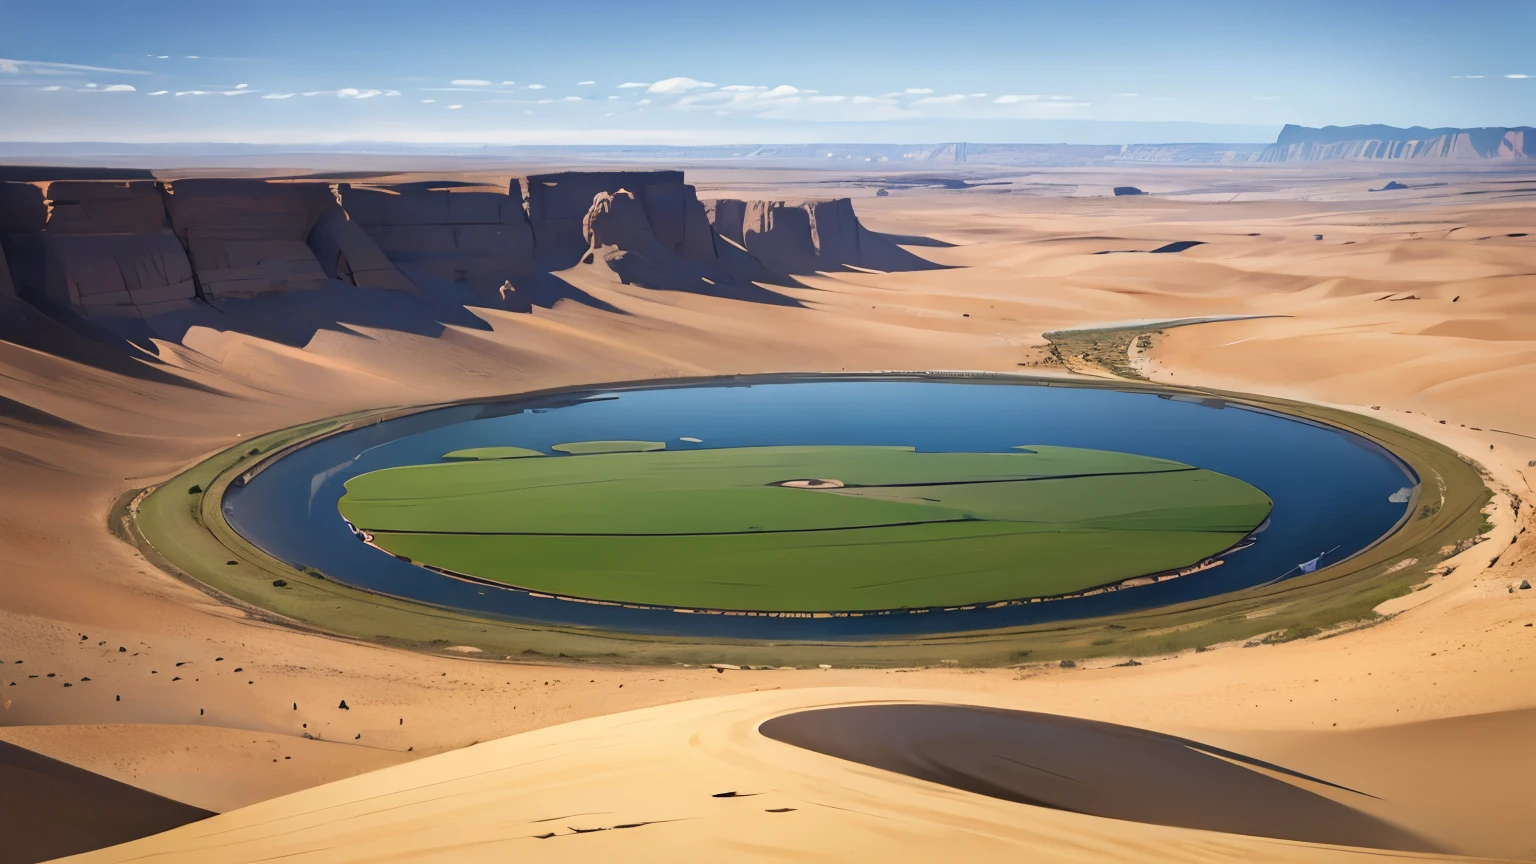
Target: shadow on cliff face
<point>119,263</point>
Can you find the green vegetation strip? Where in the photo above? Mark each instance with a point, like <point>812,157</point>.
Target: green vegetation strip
<point>184,534</point>
<point>476,453</point>
<point>715,529</point>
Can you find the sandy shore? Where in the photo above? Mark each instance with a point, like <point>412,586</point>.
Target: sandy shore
<point>1416,302</point>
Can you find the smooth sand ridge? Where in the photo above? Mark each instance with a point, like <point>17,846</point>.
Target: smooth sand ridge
<point>78,431</point>
<point>653,784</point>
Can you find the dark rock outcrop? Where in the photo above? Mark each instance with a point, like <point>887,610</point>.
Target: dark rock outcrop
<point>810,237</point>
<point>1392,185</point>
<point>439,233</point>
<point>100,249</point>
<point>1121,191</point>
<point>623,234</point>
<point>1373,142</point>
<point>558,205</point>
<point>247,238</point>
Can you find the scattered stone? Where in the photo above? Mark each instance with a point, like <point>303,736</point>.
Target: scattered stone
<point>343,705</point>
<point>1069,664</point>
<point>195,490</point>
<point>1525,584</point>
<point>279,583</point>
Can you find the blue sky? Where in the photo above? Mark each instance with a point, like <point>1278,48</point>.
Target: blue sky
<point>737,71</point>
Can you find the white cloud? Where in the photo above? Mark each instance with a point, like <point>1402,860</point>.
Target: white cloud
<point>508,83</point>
<point>611,98</point>
<point>917,91</point>
<point>191,92</point>
<point>1517,75</point>
<point>454,107</point>
<point>1061,98</point>
<point>470,82</point>
<point>572,99</point>
<point>584,83</point>
<point>1466,76</point>
<point>643,102</point>
<point>978,95</point>
<point>428,101</point>
<point>313,93</point>
<point>241,86</point>
<point>828,99</point>
<point>535,86</point>
<point>192,57</point>
<point>1127,95</point>
<point>668,86</point>
<point>542,101</point>
<point>630,85</point>
<point>742,88</point>
<point>781,90</point>
<point>278,96</point>
<point>42,67</point>
<point>159,93</point>
<point>50,89</point>
<point>940,100</point>
<point>238,92</point>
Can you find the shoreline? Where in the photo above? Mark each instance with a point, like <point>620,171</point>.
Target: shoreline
<point>412,622</point>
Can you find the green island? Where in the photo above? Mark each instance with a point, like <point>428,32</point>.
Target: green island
<point>481,453</point>
<point>806,529</point>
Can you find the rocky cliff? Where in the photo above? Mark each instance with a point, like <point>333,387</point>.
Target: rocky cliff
<point>1302,143</point>
<point>807,237</point>
<point>148,260</point>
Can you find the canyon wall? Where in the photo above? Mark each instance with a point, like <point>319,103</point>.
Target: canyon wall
<point>1376,142</point>
<point>149,259</point>
<point>102,249</point>
<point>808,237</point>
<point>439,233</point>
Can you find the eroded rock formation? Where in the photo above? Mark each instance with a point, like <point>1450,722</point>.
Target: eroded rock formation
<point>558,205</point>
<point>624,235</point>
<point>247,238</point>
<point>444,233</point>
<point>102,249</point>
<point>807,237</point>
<point>145,260</point>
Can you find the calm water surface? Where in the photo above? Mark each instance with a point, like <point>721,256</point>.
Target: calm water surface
<point>1331,489</point>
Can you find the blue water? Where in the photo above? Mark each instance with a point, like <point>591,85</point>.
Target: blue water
<point>1330,488</point>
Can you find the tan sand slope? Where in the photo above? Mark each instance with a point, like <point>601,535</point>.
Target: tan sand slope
<point>693,780</point>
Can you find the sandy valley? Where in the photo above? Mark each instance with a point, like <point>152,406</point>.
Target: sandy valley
<point>1415,306</point>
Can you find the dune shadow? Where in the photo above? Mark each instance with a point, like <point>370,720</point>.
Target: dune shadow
<point>1089,767</point>
<point>49,809</point>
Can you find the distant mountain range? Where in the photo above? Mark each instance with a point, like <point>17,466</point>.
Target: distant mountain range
<point>1294,144</point>
<point>1377,142</point>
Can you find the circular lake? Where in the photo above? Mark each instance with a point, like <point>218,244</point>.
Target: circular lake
<point>1124,455</point>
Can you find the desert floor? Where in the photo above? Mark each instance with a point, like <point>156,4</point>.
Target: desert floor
<point>1419,302</point>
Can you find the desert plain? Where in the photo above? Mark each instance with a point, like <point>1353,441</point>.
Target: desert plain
<point>1415,307</point>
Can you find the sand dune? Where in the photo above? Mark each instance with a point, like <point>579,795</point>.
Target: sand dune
<point>1417,301</point>
<point>690,779</point>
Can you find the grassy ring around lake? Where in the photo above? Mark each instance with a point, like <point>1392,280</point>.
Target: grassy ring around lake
<point>179,525</point>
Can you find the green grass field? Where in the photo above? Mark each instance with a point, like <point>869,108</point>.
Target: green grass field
<point>713,529</point>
